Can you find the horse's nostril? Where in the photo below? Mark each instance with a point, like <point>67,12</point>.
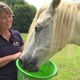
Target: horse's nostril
<point>23,63</point>
<point>33,68</point>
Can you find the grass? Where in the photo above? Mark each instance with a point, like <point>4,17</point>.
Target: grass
<point>67,62</point>
<point>24,36</point>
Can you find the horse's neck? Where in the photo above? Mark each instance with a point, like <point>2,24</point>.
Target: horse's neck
<point>76,34</point>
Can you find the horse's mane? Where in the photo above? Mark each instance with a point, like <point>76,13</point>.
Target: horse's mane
<point>63,22</point>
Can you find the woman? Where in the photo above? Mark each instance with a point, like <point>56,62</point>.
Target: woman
<point>10,44</point>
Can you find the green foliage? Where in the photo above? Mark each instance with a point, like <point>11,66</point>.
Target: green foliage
<point>23,16</point>
<point>12,3</point>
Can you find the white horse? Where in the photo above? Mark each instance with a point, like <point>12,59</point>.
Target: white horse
<point>54,26</point>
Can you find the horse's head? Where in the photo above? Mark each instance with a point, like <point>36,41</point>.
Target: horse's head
<point>38,48</point>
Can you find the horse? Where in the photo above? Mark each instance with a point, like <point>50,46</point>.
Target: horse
<point>55,25</point>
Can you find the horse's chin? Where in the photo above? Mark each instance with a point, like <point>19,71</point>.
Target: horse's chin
<point>30,66</point>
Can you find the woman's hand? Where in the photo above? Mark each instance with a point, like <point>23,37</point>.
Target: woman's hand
<point>16,56</point>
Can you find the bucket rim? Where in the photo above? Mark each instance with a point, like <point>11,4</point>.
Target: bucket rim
<point>53,74</point>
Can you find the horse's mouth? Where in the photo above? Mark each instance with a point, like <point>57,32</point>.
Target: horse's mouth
<point>30,66</point>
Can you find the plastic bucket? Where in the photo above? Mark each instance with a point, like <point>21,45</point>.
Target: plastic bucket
<point>47,71</point>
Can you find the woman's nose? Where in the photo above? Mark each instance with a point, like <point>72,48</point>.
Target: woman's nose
<point>9,20</point>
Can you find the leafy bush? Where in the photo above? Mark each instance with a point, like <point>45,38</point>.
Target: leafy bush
<point>23,16</point>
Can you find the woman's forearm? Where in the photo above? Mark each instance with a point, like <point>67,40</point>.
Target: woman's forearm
<point>7,59</point>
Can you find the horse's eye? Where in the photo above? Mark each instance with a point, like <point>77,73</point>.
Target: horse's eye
<point>38,29</point>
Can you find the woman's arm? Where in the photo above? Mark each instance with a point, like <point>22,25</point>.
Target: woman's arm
<point>5,60</point>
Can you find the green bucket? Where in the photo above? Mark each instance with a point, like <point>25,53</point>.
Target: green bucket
<point>47,71</point>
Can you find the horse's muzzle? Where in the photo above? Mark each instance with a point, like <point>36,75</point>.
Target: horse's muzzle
<point>31,66</point>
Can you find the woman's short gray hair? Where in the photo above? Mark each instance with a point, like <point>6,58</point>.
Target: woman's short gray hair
<point>5,8</point>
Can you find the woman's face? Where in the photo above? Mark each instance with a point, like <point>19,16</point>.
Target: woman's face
<point>5,20</point>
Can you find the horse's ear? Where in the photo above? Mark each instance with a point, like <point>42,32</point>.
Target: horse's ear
<point>54,4</point>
